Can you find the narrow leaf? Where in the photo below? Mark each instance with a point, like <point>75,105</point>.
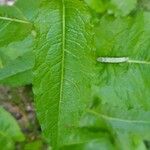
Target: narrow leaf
<point>64,67</point>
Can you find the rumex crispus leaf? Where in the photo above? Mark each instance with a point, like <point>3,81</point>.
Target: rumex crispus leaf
<point>63,69</point>
<point>121,99</point>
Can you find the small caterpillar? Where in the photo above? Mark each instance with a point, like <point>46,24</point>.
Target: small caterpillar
<point>7,2</point>
<point>116,60</point>
<point>113,59</point>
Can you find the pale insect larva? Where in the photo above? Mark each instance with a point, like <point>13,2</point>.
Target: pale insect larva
<point>7,2</point>
<point>113,59</point>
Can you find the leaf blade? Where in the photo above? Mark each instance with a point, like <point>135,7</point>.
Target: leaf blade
<point>62,84</point>
<point>9,126</point>
<point>17,34</point>
<point>122,90</point>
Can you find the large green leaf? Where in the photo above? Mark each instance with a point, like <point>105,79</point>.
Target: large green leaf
<point>9,131</point>
<point>64,68</point>
<point>14,25</point>
<point>127,129</point>
<point>17,34</point>
<point>122,94</point>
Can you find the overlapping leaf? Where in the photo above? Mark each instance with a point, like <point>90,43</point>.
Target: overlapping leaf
<point>122,95</point>
<point>16,34</point>
<point>9,131</point>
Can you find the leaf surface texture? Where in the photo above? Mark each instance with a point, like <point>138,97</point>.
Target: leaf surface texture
<point>64,62</point>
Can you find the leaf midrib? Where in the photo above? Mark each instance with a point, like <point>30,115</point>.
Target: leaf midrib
<point>117,119</point>
<point>62,64</point>
<point>14,20</point>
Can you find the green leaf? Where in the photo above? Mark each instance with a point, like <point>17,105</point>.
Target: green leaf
<point>28,8</point>
<point>127,129</point>
<point>102,143</point>
<point>9,130</point>
<point>17,61</point>
<point>116,7</point>
<point>121,97</point>
<point>14,26</point>
<point>35,145</point>
<point>19,71</point>
<point>122,7</point>
<point>6,143</point>
<point>127,83</point>
<point>17,34</point>
<point>99,6</point>
<point>64,68</point>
